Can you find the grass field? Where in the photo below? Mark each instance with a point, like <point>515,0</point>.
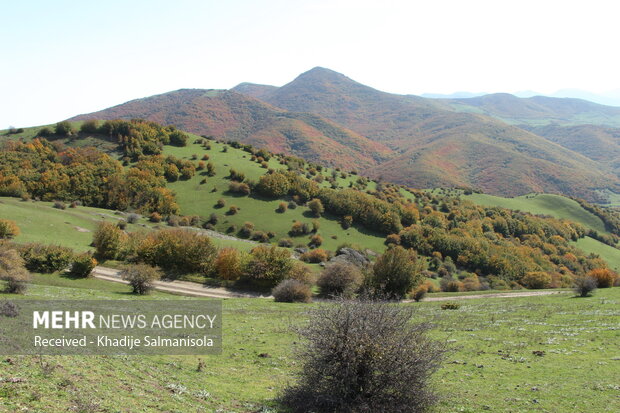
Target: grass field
<point>492,367</point>
<point>73,227</point>
<point>609,254</point>
<point>200,199</point>
<point>545,204</point>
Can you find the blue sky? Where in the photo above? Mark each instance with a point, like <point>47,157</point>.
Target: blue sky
<point>62,58</point>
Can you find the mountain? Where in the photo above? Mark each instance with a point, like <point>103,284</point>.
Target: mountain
<point>599,143</point>
<point>454,95</point>
<point>538,110</point>
<point>233,116</point>
<point>438,146</point>
<point>327,117</point>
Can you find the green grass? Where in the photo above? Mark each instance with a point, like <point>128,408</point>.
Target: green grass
<point>609,254</point>
<point>545,204</point>
<point>492,367</point>
<point>199,199</point>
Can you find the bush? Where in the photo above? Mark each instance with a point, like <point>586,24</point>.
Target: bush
<point>604,277</point>
<point>239,188</point>
<point>60,205</point>
<point>45,258</point>
<point>392,239</point>
<point>585,286</point>
<point>450,306</point>
<point>315,256</point>
<point>396,272</point>
<point>141,277</point>
<point>12,271</point>
<point>109,241</point>
<point>8,229</point>
<point>292,291</point>
<point>282,207</point>
<point>316,206</point>
<point>450,285</point>
<point>233,210</point>
<point>90,126</point>
<point>316,241</point>
<point>64,128</point>
<point>285,243</point>
<point>83,265</point>
<point>220,203</point>
<point>298,229</point>
<point>246,230</point>
<point>228,264</point>
<point>347,221</point>
<point>133,218</point>
<point>340,279</point>
<point>361,356</point>
<point>536,280</point>
<point>155,217</point>
<point>267,266</point>
<point>302,273</point>
<point>178,250</point>
<point>420,292</point>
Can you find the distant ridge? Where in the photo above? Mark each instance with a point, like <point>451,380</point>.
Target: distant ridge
<point>326,117</point>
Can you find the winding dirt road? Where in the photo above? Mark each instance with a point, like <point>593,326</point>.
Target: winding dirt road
<point>193,289</point>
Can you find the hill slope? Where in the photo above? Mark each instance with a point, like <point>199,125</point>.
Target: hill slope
<point>440,147</point>
<point>538,110</point>
<point>232,116</point>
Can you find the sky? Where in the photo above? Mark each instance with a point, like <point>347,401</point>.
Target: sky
<point>63,58</point>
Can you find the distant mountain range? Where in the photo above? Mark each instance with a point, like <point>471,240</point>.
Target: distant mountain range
<point>499,143</point>
<point>611,98</point>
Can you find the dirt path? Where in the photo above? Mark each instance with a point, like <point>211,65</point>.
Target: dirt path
<point>492,295</point>
<point>178,287</point>
<point>199,290</point>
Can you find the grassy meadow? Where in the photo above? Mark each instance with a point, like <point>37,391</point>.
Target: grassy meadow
<point>492,366</point>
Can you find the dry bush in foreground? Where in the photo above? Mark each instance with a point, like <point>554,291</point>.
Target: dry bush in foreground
<point>292,291</point>
<point>364,356</point>
<point>141,277</point>
<point>584,286</point>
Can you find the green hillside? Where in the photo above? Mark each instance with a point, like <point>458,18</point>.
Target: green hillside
<point>545,204</point>
<point>72,227</point>
<point>195,198</point>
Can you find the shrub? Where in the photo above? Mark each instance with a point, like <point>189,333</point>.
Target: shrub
<point>316,206</point>
<point>302,273</point>
<point>450,306</point>
<point>122,224</point>
<point>604,277</point>
<point>347,221</point>
<point>299,229</point>
<point>315,256</point>
<point>210,169</point>
<point>471,283</point>
<point>133,218</point>
<point>90,126</point>
<point>246,230</point>
<point>316,225</point>
<point>396,272</point>
<point>361,356</point>
<point>420,292</point>
<point>584,286</point>
<point>450,285</point>
<point>141,277</point>
<point>178,250</point>
<point>260,236</point>
<point>45,258</point>
<point>60,205</point>
<point>392,239</point>
<point>64,128</point>
<point>316,241</point>
<point>267,266</point>
<point>235,175</point>
<point>285,243</point>
<point>83,265</point>
<point>536,280</point>
<point>155,217</point>
<point>274,185</point>
<point>282,207</point>
<point>8,229</point>
<point>233,210</point>
<point>12,271</point>
<point>220,203</point>
<point>109,241</point>
<point>228,264</point>
<point>239,188</point>
<point>292,291</point>
<point>340,279</point>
